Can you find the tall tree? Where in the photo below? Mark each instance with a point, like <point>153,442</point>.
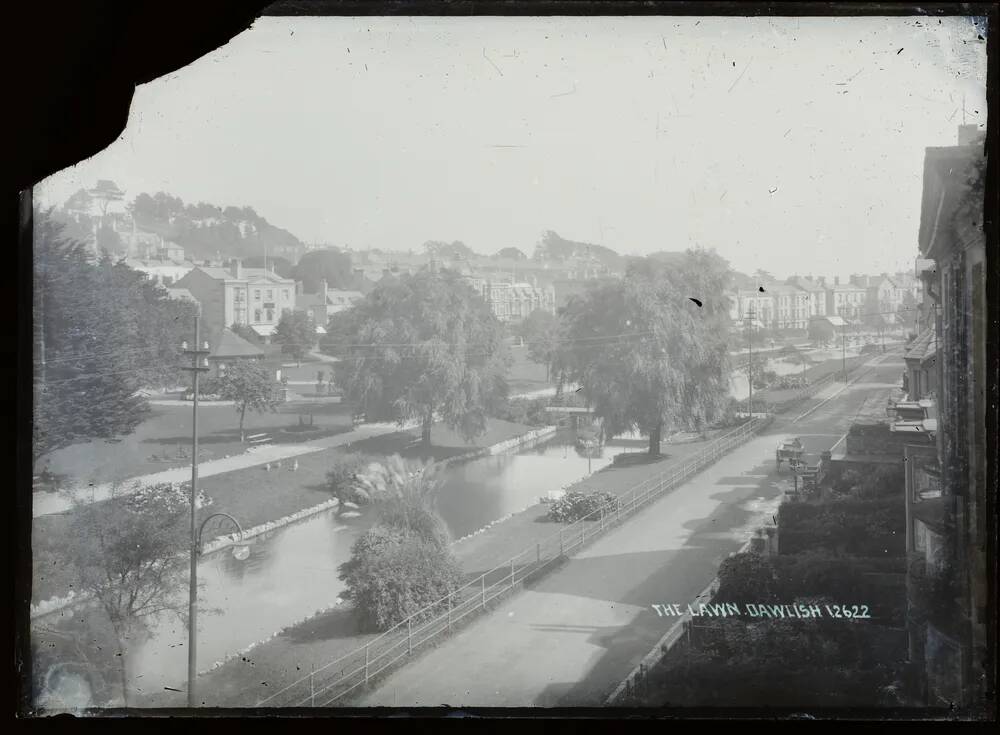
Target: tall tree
<point>93,359</point>
<point>541,332</point>
<point>296,333</point>
<point>331,264</point>
<point>512,253</point>
<point>421,344</point>
<point>456,250</point>
<point>249,386</point>
<point>126,554</point>
<point>646,355</point>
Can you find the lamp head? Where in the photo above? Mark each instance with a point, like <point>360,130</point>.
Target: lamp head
<point>241,553</point>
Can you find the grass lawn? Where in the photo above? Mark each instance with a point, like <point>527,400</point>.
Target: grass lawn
<point>255,496</point>
<point>524,375</point>
<point>167,434</point>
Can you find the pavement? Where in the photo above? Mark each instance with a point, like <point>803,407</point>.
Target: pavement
<point>572,637</point>
<point>46,503</point>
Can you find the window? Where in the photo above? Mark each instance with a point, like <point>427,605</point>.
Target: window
<point>256,315</point>
<point>284,294</point>
<point>270,315</point>
<point>256,294</point>
<point>270,294</point>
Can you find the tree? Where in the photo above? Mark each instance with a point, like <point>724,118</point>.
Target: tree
<point>127,554</point>
<point>330,263</point>
<point>449,251</point>
<point>645,354</point>
<point>511,253</point>
<point>821,331</point>
<point>541,331</point>
<point>296,333</point>
<point>103,331</point>
<point>404,564</point>
<point>422,344</point>
<point>248,385</point>
<point>281,266</point>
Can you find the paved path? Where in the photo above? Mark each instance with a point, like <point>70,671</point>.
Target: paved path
<point>576,634</point>
<point>44,503</point>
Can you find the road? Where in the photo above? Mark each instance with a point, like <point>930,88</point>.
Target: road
<point>573,636</point>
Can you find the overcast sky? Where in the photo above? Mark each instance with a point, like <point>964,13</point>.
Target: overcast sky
<point>793,145</point>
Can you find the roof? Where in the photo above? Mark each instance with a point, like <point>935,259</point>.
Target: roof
<point>833,319</point>
<point>230,344</point>
<point>181,293</point>
<point>945,172</point>
<point>264,330</point>
<point>251,275</point>
<point>922,347</point>
<point>806,284</point>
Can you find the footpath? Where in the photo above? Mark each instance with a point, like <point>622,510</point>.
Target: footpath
<point>46,503</point>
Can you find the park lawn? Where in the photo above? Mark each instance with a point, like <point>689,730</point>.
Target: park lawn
<point>525,375</point>
<point>166,433</point>
<point>256,496</point>
<point>333,634</point>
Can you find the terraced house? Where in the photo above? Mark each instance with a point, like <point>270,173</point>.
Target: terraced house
<point>949,506</point>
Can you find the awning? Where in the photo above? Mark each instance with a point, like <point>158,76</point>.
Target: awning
<point>264,330</point>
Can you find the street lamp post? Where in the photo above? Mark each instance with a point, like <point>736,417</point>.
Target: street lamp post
<point>241,550</point>
<point>199,365</point>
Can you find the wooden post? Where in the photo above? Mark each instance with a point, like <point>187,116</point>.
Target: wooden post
<point>538,553</point>
<point>512,574</point>
<point>449,611</point>
<point>483,578</point>
<point>562,551</point>
<point>366,664</point>
<point>409,636</point>
<point>312,688</point>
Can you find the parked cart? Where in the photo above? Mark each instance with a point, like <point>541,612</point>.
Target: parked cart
<point>791,451</point>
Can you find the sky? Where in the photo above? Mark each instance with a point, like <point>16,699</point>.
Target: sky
<point>787,144</point>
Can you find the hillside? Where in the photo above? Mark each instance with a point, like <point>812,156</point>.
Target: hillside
<point>206,230</point>
<point>554,247</point>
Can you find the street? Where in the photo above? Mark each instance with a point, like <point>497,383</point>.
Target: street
<point>572,637</point>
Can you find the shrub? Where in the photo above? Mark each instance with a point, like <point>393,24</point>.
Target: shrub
<point>393,573</point>
<point>341,478</point>
<point>847,526</point>
<point>414,515</point>
<point>575,505</point>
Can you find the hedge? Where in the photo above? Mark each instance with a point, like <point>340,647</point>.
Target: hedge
<point>843,525</point>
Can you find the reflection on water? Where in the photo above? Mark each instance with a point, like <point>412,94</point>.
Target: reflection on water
<point>293,571</point>
<point>478,492</point>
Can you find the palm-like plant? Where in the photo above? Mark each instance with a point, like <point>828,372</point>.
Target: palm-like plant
<point>406,492</point>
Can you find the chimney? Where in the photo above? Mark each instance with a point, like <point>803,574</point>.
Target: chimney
<point>836,280</point>
<point>236,268</point>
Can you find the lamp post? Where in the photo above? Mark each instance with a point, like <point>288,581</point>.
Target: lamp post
<point>199,365</point>
<point>241,550</point>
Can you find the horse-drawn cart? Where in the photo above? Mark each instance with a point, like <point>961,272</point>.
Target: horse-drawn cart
<point>791,451</point>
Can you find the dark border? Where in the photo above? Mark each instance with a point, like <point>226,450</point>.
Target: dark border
<point>77,68</point>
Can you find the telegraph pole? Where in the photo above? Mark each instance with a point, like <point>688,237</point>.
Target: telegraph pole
<point>199,365</point>
<point>750,360</point>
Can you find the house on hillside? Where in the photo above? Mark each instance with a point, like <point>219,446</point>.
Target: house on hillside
<point>325,303</point>
<point>254,297</point>
<point>815,291</point>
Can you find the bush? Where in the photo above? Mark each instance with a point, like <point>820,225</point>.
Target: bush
<point>393,574</point>
<point>874,528</point>
<point>342,476</point>
<point>412,514</point>
<point>575,505</point>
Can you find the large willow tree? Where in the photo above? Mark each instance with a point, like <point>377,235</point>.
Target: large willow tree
<point>651,350</point>
<point>422,345</point>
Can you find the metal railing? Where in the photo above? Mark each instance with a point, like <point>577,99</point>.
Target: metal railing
<point>353,671</point>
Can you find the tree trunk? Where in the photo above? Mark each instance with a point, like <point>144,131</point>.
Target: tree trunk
<point>425,431</point>
<point>243,414</point>
<point>654,439</point>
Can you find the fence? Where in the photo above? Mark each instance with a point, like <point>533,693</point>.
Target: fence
<point>351,673</point>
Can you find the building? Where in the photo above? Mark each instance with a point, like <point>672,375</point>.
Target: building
<point>756,305</point>
<point>791,306</point>
<point>512,302</point>
<point>236,295</point>
<point>920,357</point>
<point>816,293</point>
<point>162,271</point>
<point>325,303</point>
<point>846,300</point>
<point>229,347</point>
<point>948,517</point>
